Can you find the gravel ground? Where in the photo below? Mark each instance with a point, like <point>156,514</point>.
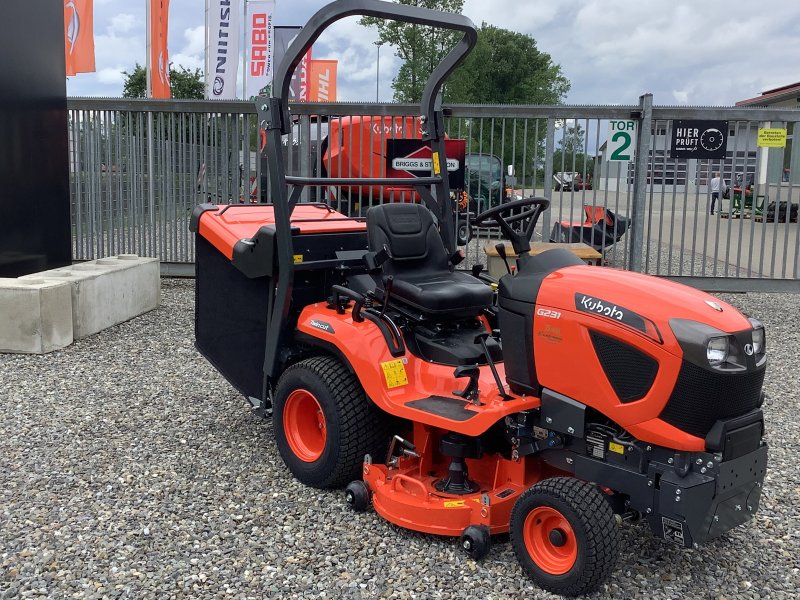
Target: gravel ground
<point>130,468</point>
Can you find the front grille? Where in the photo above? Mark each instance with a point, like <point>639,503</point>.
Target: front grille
<point>630,371</point>
<point>701,397</point>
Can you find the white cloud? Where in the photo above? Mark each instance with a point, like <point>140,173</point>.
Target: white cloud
<point>122,23</point>
<point>681,96</point>
<point>111,75</point>
<point>195,40</point>
<point>189,61</point>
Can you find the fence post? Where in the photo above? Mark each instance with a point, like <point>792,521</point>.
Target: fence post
<point>640,183</point>
<point>547,178</point>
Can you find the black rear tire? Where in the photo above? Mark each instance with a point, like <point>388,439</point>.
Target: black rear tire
<point>352,426</point>
<point>570,528</point>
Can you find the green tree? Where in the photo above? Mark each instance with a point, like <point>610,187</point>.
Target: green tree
<point>570,155</point>
<point>421,48</point>
<point>185,83</point>
<point>506,67</point>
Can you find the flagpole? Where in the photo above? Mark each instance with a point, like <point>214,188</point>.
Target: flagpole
<point>244,62</point>
<point>205,71</point>
<point>149,76</point>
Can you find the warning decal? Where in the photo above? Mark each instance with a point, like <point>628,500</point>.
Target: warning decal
<point>394,372</point>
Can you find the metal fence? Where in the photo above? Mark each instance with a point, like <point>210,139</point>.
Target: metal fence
<point>138,167</point>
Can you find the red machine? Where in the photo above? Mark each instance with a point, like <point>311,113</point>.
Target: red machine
<point>555,404</point>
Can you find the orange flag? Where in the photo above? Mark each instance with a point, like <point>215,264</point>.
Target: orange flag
<point>159,54</point>
<point>322,81</point>
<point>79,36</point>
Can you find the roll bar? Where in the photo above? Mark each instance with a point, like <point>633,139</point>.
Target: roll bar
<point>273,114</point>
<point>384,10</point>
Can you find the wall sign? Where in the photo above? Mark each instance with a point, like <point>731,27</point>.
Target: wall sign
<point>771,138</point>
<point>699,139</point>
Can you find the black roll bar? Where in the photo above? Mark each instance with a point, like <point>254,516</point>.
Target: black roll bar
<point>274,118</point>
<point>385,10</point>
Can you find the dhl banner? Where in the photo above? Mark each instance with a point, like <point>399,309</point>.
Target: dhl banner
<point>159,54</point>
<point>259,39</point>
<point>223,39</point>
<point>322,81</point>
<point>79,36</point>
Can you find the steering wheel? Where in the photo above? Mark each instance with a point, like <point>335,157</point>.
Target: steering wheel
<point>525,221</point>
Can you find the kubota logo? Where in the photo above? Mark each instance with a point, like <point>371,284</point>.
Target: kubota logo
<point>596,305</point>
<point>748,349</point>
<point>74,28</point>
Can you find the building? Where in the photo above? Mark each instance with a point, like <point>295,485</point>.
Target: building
<point>782,164</point>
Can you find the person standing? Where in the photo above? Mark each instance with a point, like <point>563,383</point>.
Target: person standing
<point>717,186</point>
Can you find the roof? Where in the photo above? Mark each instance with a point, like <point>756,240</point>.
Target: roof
<point>774,95</point>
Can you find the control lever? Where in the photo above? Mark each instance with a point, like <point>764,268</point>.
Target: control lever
<point>501,252</point>
<point>374,260</point>
<point>481,339</point>
<point>388,285</point>
<point>477,270</point>
<point>470,392</point>
<point>408,449</point>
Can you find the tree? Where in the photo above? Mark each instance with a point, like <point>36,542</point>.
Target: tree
<point>506,67</point>
<point>421,48</point>
<point>570,156</point>
<point>185,83</point>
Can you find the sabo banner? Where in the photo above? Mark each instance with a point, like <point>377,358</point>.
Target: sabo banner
<point>260,41</point>
<point>223,49</point>
<point>79,36</point>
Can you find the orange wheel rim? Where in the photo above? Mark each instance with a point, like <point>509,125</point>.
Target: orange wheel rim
<point>550,540</point>
<point>304,425</point>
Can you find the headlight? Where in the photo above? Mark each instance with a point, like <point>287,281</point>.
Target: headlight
<point>717,350</point>
<point>758,341</point>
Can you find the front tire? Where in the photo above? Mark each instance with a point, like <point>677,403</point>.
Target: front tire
<point>324,424</point>
<point>564,535</point>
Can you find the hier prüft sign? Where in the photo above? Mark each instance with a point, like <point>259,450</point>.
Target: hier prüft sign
<point>699,139</point>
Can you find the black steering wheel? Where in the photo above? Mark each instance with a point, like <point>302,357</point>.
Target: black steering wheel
<point>525,220</point>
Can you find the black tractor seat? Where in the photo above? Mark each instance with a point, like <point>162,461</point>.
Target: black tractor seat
<point>423,275</point>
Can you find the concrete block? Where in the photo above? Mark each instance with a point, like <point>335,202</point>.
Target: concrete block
<point>35,315</point>
<point>108,291</point>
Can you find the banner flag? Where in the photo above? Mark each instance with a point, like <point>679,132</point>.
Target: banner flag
<point>298,88</point>
<point>322,81</point>
<point>222,45</point>
<point>259,39</point>
<point>79,36</point>
<point>159,52</point>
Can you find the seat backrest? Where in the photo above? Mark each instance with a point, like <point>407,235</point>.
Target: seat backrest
<point>411,235</point>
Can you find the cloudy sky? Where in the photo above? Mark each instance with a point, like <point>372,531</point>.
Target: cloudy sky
<point>709,52</point>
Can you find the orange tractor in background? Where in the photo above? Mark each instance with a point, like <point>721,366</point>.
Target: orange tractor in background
<point>555,404</point>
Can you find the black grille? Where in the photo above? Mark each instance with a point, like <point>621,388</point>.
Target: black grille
<point>701,397</point>
<point>630,371</point>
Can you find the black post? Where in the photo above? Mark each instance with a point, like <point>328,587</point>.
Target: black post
<point>34,172</point>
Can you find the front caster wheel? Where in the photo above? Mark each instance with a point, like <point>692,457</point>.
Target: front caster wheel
<point>476,541</point>
<point>564,535</point>
<point>356,494</point>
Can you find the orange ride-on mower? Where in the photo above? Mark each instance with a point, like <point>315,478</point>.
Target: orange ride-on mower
<point>555,404</point>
